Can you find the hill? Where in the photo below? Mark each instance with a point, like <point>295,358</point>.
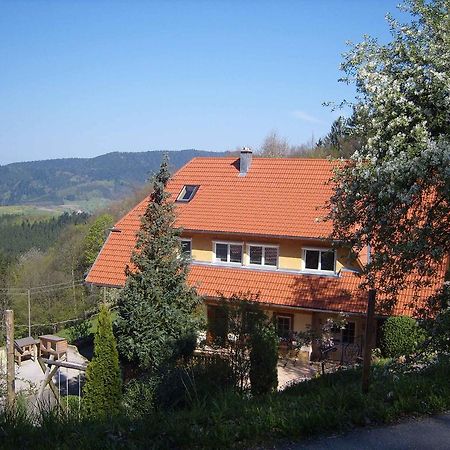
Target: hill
<point>79,180</point>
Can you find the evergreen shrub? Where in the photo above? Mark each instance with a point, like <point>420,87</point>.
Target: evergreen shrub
<point>103,388</point>
<point>263,360</point>
<point>400,336</point>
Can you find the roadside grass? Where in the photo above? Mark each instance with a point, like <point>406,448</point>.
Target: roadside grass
<point>330,404</point>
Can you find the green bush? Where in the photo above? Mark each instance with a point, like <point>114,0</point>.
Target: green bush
<point>263,360</point>
<point>139,396</point>
<point>400,336</point>
<point>103,388</point>
<point>187,386</point>
<point>80,330</point>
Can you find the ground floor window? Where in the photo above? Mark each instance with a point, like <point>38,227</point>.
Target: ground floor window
<point>348,333</point>
<point>284,324</point>
<point>217,324</point>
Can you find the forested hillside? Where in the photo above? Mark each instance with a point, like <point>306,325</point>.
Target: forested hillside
<point>110,176</point>
<point>18,234</point>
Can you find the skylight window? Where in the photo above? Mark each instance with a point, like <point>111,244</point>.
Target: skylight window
<point>187,193</point>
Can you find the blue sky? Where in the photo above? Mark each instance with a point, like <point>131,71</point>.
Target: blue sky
<point>82,78</point>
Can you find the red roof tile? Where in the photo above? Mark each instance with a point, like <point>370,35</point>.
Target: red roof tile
<point>280,197</point>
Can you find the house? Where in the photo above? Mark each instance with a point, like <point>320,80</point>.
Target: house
<point>254,225</point>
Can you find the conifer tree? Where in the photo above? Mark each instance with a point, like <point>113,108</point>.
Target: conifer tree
<point>157,310</point>
<point>103,388</point>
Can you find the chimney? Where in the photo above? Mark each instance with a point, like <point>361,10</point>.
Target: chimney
<point>245,161</point>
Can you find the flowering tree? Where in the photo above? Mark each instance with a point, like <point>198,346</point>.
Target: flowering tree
<point>394,194</point>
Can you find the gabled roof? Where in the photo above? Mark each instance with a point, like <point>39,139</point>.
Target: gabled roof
<point>277,197</point>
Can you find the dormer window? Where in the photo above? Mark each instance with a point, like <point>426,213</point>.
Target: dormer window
<point>187,193</point>
<point>319,260</point>
<point>228,252</point>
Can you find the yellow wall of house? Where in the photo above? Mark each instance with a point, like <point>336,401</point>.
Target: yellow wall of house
<point>290,251</point>
<point>290,255</point>
<point>202,248</point>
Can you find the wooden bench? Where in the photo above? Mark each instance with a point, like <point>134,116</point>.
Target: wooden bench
<point>27,346</point>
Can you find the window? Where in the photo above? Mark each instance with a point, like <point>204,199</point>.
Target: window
<point>263,255</point>
<point>217,324</point>
<point>321,260</point>
<point>186,247</point>
<point>187,193</point>
<point>284,326</point>
<point>348,333</point>
<point>228,253</point>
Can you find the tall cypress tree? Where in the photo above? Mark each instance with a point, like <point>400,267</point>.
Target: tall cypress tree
<point>103,388</point>
<point>157,310</point>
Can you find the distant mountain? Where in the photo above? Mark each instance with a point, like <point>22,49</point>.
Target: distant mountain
<point>77,180</point>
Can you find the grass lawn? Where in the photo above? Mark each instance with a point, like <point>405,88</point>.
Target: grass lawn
<point>31,212</point>
<point>329,404</point>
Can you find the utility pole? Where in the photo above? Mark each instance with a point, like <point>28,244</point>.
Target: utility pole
<point>73,290</point>
<point>10,373</point>
<point>368,341</point>
<point>29,312</point>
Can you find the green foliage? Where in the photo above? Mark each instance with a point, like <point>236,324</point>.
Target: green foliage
<point>103,388</point>
<point>263,360</point>
<point>95,238</point>
<point>19,234</point>
<point>395,193</point>
<point>400,336</point>
<point>339,142</point>
<point>242,324</point>
<point>80,330</point>
<point>195,384</point>
<point>326,405</point>
<point>139,395</point>
<point>157,312</point>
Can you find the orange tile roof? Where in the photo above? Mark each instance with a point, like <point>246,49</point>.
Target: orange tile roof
<point>278,197</point>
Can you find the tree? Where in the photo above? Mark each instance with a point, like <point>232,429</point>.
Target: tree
<point>274,146</point>
<point>395,193</point>
<point>103,388</point>
<point>339,141</point>
<point>264,359</point>
<point>157,316</point>
<point>95,238</point>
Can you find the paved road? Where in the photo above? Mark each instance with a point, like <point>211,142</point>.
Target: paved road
<point>428,433</point>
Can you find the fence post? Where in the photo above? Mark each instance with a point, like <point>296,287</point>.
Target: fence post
<point>10,372</point>
<point>29,312</point>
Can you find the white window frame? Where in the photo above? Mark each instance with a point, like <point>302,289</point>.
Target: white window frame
<point>188,240</point>
<point>264,246</point>
<point>319,270</point>
<point>228,243</point>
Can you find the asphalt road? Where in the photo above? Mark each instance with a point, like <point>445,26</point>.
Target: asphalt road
<point>417,434</point>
